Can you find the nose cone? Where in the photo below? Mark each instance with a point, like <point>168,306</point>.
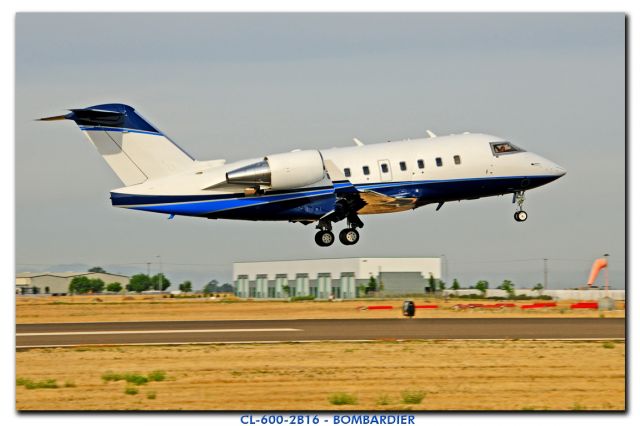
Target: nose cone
<point>552,168</point>
<point>558,171</point>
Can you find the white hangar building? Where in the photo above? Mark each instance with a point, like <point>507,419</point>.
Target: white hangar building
<point>339,278</point>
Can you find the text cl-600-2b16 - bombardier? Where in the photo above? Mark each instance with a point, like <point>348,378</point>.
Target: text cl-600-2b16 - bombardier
<point>307,186</point>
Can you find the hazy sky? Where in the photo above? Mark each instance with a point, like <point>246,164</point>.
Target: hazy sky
<point>235,86</point>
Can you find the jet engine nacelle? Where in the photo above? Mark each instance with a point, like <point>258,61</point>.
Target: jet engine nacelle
<point>281,171</point>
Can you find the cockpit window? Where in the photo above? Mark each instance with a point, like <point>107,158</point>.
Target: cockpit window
<point>504,148</point>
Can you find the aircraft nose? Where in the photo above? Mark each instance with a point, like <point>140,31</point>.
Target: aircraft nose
<point>559,171</point>
<point>552,168</point>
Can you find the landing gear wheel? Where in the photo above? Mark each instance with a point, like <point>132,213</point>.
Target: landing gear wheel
<point>520,216</point>
<point>349,236</point>
<point>325,238</point>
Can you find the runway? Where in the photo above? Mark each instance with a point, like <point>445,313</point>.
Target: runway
<point>182,332</point>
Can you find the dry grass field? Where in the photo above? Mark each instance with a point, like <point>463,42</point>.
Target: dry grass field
<point>155,307</point>
<point>412,375</point>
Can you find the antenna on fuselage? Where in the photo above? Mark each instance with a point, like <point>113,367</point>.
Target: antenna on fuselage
<point>431,134</point>
<point>358,142</point>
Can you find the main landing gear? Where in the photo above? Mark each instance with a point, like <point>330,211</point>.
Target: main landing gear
<point>520,215</point>
<point>348,237</point>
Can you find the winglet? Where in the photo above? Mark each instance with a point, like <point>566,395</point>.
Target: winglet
<point>358,142</point>
<point>431,134</point>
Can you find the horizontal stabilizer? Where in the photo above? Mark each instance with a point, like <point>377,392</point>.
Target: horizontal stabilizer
<point>54,118</point>
<point>108,115</point>
<point>96,117</point>
<point>91,117</point>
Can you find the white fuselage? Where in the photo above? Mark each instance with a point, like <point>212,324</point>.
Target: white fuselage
<point>476,160</point>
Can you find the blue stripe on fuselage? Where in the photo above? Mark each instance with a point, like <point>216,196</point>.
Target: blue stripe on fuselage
<point>319,201</point>
<point>205,207</point>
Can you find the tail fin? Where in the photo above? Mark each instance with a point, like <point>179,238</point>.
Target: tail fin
<point>133,147</point>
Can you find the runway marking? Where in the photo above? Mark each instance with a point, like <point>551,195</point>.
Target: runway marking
<point>251,342</point>
<point>213,330</point>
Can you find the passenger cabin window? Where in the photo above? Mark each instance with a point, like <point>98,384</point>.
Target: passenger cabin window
<point>384,168</point>
<point>421,164</point>
<point>456,159</point>
<point>439,162</point>
<point>504,148</point>
<point>365,170</point>
<point>347,172</point>
<point>403,166</point>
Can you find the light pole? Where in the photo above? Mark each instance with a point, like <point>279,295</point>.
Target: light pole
<point>606,272</point>
<point>546,273</point>
<point>160,280</point>
<point>444,267</point>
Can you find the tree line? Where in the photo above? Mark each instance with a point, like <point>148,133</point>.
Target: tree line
<point>482,286</point>
<point>138,283</point>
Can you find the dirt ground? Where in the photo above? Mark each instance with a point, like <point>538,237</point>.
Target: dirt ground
<point>452,375</point>
<point>153,308</point>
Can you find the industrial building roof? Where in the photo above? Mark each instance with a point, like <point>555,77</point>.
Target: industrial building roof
<point>61,274</point>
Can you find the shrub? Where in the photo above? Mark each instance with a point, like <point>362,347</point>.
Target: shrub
<point>608,345</point>
<point>114,287</point>
<point>151,395</point>
<point>342,398</point>
<point>110,376</point>
<point>299,298</point>
<point>384,400</point>
<point>131,391</point>
<point>42,384</point>
<point>83,284</point>
<point>69,384</point>
<point>413,396</point>
<point>157,376</point>
<point>136,379</point>
<point>20,381</point>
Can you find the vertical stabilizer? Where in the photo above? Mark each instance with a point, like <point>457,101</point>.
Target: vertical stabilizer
<point>133,148</point>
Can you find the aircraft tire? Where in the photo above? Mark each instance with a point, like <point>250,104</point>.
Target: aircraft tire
<point>325,238</point>
<point>349,236</point>
<point>520,216</point>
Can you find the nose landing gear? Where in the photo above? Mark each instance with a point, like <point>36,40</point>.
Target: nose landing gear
<point>520,215</point>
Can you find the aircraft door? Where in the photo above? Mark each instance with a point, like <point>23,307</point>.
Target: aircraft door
<point>384,169</point>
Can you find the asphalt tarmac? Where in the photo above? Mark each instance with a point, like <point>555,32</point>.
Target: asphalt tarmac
<point>184,332</point>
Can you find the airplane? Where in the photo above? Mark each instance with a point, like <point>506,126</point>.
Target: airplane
<point>307,186</point>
